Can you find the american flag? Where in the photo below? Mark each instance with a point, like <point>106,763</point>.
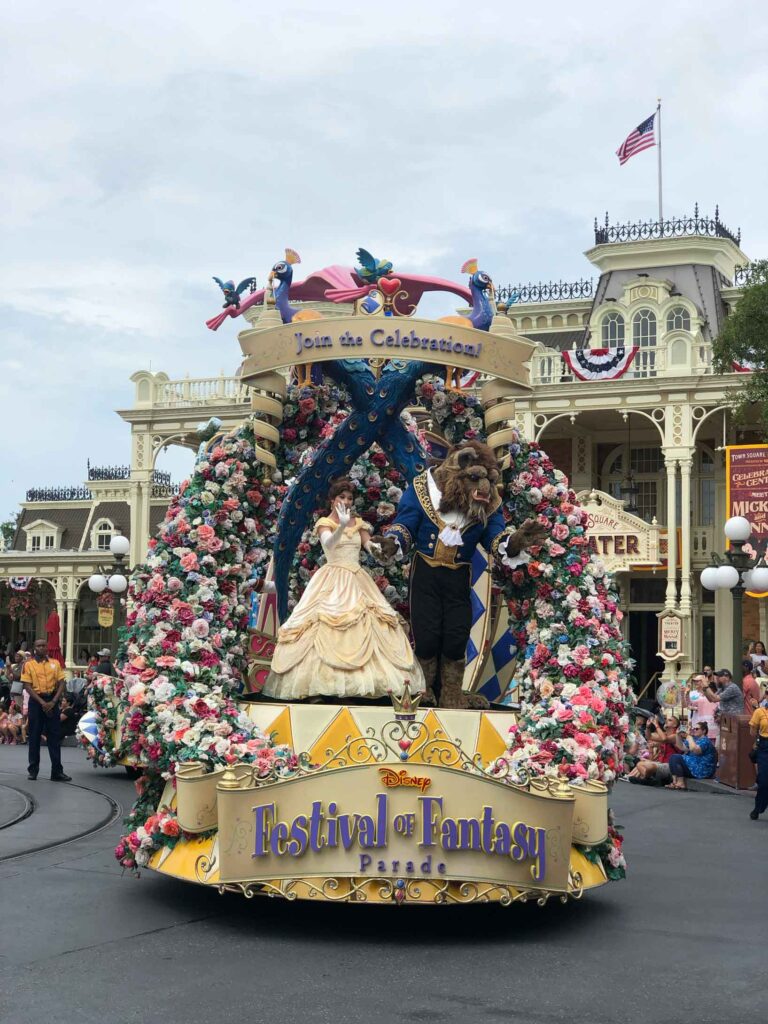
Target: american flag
<point>643,137</point>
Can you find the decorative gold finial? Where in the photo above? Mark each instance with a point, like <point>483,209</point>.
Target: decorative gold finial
<point>407,704</point>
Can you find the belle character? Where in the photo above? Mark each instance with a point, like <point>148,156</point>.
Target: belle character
<point>343,639</point>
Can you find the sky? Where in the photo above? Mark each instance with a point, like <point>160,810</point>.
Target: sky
<point>149,146</point>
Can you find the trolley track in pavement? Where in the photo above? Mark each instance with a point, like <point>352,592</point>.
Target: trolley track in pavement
<point>32,806</point>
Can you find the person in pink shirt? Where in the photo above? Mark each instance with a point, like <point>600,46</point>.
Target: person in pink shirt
<point>750,686</point>
<point>702,709</point>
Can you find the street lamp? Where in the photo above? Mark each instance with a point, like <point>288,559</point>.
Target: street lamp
<point>113,577</point>
<point>737,572</point>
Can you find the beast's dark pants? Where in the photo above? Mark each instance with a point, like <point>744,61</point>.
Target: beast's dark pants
<point>441,610</point>
<point>40,723</point>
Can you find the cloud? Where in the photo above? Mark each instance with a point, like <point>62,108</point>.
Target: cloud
<point>145,153</point>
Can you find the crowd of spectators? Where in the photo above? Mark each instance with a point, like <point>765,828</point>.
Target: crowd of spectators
<point>664,751</point>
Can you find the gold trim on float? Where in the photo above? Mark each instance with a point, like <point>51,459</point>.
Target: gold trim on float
<point>415,891</point>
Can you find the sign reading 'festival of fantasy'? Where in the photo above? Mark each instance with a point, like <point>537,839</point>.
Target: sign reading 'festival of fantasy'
<point>373,820</point>
<point>747,488</point>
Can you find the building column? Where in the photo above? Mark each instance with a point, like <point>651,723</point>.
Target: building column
<point>685,539</point>
<point>687,662</point>
<point>671,594</point>
<point>69,651</point>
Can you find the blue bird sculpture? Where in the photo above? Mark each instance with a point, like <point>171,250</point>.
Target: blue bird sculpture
<point>232,294</point>
<point>371,270</point>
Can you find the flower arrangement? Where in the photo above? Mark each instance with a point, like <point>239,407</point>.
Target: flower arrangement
<point>23,603</point>
<point>457,415</point>
<point>183,645</point>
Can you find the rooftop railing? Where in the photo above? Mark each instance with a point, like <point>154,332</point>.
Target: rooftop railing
<point>546,291</point>
<point>59,494</point>
<point>674,227</point>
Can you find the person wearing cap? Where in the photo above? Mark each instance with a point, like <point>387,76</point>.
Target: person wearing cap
<point>728,696</point>
<point>104,666</point>
<point>43,680</point>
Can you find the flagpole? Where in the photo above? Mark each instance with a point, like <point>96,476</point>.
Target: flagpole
<point>658,123</point>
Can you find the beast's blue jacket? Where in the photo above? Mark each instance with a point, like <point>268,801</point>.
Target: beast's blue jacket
<point>418,525</point>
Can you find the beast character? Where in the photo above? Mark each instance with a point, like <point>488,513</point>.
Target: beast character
<point>444,514</point>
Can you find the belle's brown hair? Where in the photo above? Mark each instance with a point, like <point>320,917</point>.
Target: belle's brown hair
<point>337,487</point>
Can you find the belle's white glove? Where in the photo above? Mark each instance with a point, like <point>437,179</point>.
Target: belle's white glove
<point>343,513</point>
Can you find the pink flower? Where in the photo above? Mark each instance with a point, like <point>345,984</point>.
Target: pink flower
<point>189,561</point>
<point>560,531</point>
<point>200,628</point>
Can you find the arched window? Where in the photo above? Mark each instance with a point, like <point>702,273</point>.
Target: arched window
<point>612,328</point>
<point>644,328</point>
<point>678,319</point>
<point>102,534</point>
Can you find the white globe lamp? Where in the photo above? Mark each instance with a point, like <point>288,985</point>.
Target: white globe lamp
<point>759,580</point>
<point>746,579</point>
<point>120,545</point>
<point>709,577</point>
<point>97,583</point>
<point>738,529</point>
<point>118,583</point>
<point>727,577</point>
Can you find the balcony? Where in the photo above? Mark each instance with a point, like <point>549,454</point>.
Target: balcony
<point>199,391</point>
<point>549,367</point>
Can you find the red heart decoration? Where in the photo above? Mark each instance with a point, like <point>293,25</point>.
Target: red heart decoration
<point>390,285</point>
<point>404,744</point>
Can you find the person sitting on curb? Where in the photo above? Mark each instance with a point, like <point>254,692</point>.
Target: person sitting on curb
<point>727,693</point>
<point>697,760</point>
<point>662,747</point>
<point>758,726</point>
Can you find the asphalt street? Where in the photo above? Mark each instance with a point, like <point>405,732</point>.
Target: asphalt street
<point>684,937</point>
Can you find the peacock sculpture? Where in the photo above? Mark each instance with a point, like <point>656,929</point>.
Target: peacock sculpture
<point>282,272</point>
<point>481,315</point>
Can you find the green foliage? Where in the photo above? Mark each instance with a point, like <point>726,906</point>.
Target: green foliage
<point>8,529</point>
<point>744,341</point>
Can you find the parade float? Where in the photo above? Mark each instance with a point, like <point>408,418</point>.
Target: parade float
<point>499,794</point>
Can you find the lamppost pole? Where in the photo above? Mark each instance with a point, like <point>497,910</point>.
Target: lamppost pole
<point>739,573</point>
<point>113,578</point>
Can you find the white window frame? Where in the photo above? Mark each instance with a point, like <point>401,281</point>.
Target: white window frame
<point>100,529</point>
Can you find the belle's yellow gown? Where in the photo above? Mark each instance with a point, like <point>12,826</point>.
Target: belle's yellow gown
<point>343,639</point>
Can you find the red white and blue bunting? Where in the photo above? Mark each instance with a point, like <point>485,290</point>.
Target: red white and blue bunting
<point>19,582</point>
<point>745,366</point>
<point>600,363</point>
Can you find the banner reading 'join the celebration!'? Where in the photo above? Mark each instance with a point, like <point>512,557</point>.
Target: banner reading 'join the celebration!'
<point>747,488</point>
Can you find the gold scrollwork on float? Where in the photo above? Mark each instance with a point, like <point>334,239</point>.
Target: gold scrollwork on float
<point>400,891</point>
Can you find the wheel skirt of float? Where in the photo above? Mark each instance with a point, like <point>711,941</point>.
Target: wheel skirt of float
<point>385,808</point>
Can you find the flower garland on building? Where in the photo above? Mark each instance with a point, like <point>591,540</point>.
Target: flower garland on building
<point>23,603</point>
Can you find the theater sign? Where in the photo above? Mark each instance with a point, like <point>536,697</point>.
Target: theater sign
<point>619,538</point>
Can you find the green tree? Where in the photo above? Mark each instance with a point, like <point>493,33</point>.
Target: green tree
<point>7,530</point>
<point>744,341</point>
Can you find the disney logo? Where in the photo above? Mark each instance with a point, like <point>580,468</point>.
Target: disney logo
<point>392,779</point>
